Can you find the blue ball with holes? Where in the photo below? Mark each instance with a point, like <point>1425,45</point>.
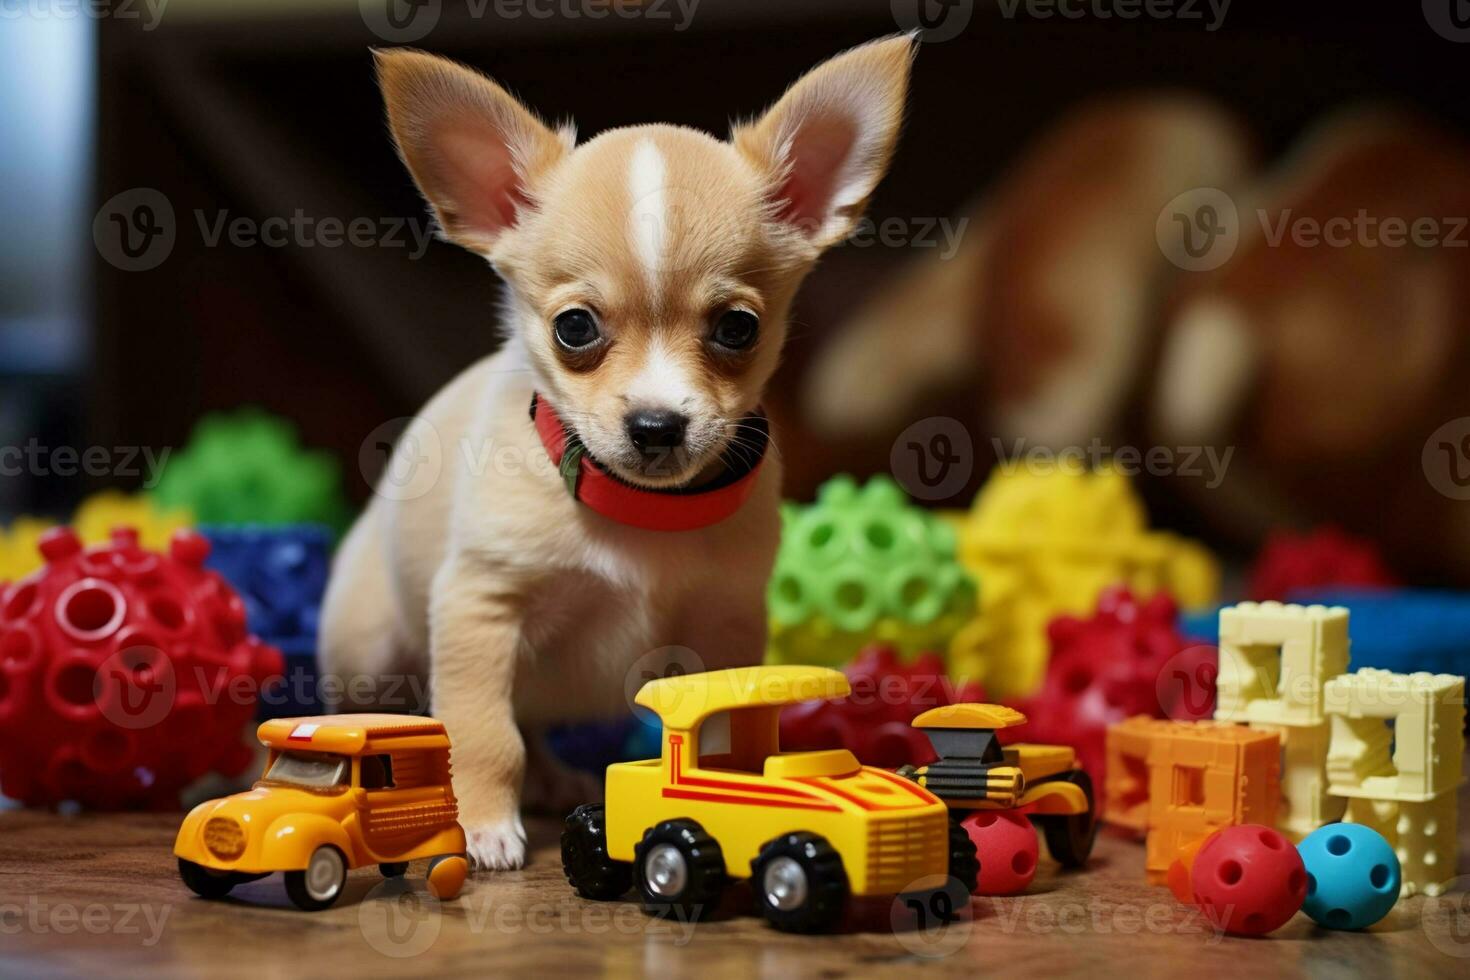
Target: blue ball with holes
<point>1352,876</point>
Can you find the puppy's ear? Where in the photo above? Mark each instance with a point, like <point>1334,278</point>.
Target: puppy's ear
<point>829,139</point>
<point>474,151</point>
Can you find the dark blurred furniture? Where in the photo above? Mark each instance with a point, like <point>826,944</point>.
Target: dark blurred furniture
<point>261,115</point>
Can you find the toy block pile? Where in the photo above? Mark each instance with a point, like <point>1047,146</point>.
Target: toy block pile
<point>1381,749</point>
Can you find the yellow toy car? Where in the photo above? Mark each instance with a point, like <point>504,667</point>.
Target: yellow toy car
<point>723,802</point>
<point>339,792</point>
<point>975,772</point>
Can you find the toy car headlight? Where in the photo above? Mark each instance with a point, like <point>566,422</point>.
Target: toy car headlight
<point>224,837</point>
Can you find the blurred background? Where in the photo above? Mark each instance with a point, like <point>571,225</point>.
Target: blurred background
<point>1016,275</point>
<point>1170,297</point>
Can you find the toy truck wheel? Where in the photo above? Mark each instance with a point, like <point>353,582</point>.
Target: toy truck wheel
<point>964,861</point>
<point>679,870</point>
<point>321,883</point>
<point>204,882</point>
<point>584,857</point>
<point>393,869</point>
<point>1069,837</point>
<point>799,883</point>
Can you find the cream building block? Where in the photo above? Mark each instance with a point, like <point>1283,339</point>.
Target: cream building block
<point>1422,834</point>
<point>1275,660</point>
<point>1306,803</point>
<point>1396,736</point>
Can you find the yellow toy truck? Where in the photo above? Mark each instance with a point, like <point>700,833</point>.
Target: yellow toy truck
<point>975,772</point>
<point>723,802</point>
<point>339,792</point>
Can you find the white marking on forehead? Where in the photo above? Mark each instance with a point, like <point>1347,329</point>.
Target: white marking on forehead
<point>662,381</point>
<point>650,223</point>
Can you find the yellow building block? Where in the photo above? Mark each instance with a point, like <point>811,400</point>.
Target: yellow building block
<point>101,512</point>
<point>19,542</point>
<point>1045,543</point>
<point>94,520</point>
<point>1275,660</point>
<point>1396,736</point>
<point>1423,834</point>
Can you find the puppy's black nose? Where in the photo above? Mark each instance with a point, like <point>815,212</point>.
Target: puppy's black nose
<point>655,430</point>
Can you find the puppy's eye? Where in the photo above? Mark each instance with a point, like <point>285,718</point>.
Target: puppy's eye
<point>575,329</point>
<point>735,330</point>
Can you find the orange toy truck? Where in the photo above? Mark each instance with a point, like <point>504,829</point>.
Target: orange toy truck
<point>339,792</point>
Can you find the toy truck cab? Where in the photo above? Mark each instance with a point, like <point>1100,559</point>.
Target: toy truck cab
<point>975,772</point>
<point>723,802</point>
<point>338,792</point>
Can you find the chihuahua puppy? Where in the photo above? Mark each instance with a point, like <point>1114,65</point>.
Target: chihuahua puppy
<point>595,490</point>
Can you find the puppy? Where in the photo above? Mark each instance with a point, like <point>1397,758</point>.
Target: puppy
<point>600,488</point>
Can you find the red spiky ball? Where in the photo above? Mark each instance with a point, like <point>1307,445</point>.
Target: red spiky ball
<point>125,674</point>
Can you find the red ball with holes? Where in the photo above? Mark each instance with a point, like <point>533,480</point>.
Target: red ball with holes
<point>1006,845</point>
<point>125,674</point>
<point>1248,880</point>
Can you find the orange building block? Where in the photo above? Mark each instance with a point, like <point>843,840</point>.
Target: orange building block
<point>1182,781</point>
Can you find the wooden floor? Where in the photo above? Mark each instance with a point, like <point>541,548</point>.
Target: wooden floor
<point>99,896</point>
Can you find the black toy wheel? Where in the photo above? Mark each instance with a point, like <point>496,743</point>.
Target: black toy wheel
<point>1070,836</point>
<point>321,883</point>
<point>678,870</point>
<point>206,883</point>
<point>964,861</point>
<point>393,869</point>
<point>584,856</point>
<point>799,883</point>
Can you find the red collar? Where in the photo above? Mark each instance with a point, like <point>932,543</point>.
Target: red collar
<point>676,509</point>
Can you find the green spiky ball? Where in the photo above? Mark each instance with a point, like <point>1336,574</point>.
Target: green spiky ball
<point>864,565</point>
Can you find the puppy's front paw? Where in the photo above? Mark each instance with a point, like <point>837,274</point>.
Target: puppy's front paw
<point>499,845</point>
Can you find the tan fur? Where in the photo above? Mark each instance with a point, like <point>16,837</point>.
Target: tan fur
<point>523,606</point>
